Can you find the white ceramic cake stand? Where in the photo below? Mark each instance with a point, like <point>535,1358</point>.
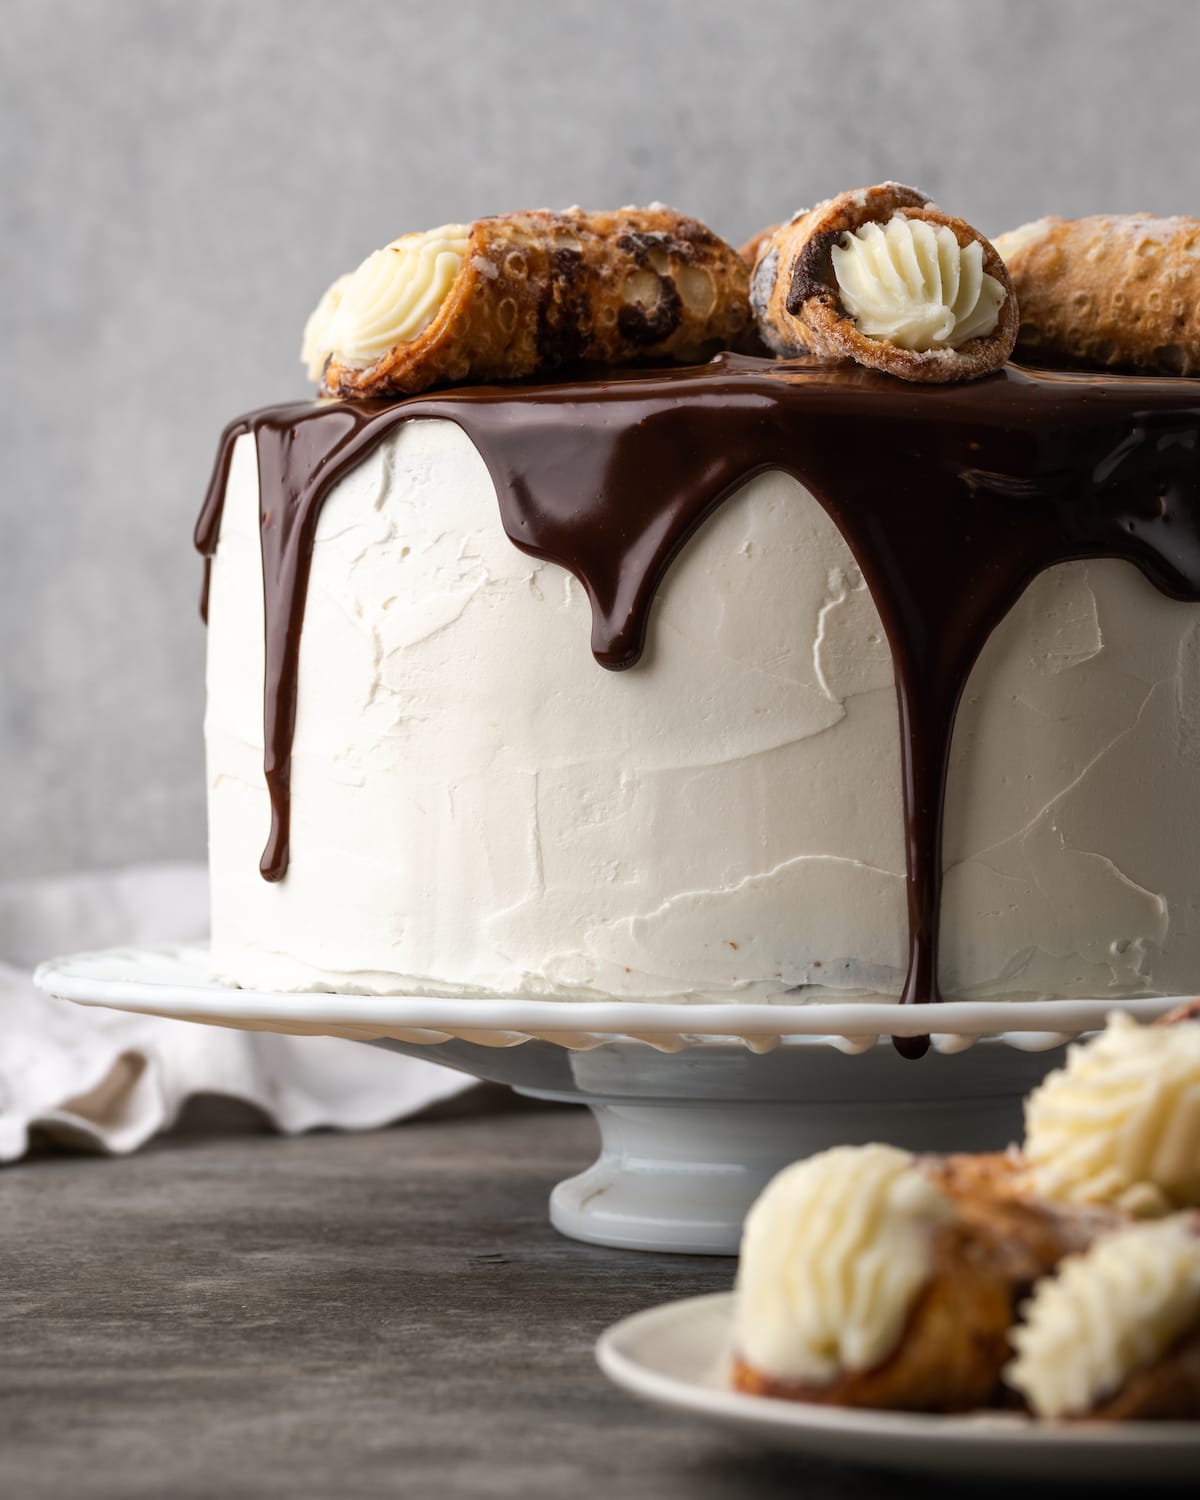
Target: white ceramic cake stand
<point>697,1105</point>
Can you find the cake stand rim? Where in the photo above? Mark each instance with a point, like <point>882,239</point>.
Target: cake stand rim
<point>154,980</point>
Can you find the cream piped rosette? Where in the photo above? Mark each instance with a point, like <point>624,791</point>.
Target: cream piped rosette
<point>316,345</point>
<point>392,297</point>
<point>872,1278</point>
<point>1119,1124</point>
<point>525,294</point>
<point>881,276</point>
<point>1010,244</point>
<point>1109,1315</point>
<point>833,1254</point>
<point>911,284</point>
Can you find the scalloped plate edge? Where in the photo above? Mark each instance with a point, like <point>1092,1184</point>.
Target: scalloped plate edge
<point>175,981</point>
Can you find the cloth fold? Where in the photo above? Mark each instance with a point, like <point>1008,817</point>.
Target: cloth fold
<point>109,1080</point>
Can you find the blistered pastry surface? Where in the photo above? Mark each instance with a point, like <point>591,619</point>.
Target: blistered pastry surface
<point>813,277</point>
<point>1113,291</point>
<point>537,290</point>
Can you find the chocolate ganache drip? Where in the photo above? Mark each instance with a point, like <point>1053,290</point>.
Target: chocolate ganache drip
<point>951,498</point>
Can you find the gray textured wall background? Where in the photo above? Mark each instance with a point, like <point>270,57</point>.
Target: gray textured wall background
<point>181,180</point>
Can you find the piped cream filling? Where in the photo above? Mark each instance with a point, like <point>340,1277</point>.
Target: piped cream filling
<point>833,1255</point>
<point>1107,1314</point>
<point>1119,1124</point>
<point>1012,242</point>
<point>315,346</point>
<point>913,285</point>
<point>391,298</point>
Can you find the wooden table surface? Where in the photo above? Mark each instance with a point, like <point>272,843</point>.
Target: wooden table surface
<point>232,1314</point>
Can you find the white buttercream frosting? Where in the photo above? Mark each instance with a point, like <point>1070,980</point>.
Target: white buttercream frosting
<point>392,297</point>
<point>1120,1123</point>
<point>912,284</point>
<point>834,1253</point>
<point>479,808</point>
<point>1107,1314</point>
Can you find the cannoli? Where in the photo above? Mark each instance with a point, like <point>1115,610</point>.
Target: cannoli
<point>880,276</point>
<point>751,250</point>
<point>1118,291</point>
<point>316,342</point>
<point>1120,1122</point>
<point>1188,1011</point>
<point>524,294</point>
<point>1115,1333</point>
<point>872,1278</point>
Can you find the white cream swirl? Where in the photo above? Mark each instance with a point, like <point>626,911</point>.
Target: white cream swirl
<point>1106,1314</point>
<point>913,285</point>
<point>315,347</point>
<point>833,1255</point>
<point>1119,1124</point>
<point>1013,241</point>
<point>392,297</point>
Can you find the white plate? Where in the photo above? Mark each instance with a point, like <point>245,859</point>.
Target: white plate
<point>179,982</point>
<point>676,1356</point>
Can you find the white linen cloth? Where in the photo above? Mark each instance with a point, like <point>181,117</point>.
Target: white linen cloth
<point>110,1080</point>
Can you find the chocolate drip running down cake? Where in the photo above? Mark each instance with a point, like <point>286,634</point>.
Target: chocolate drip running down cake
<point>893,685</point>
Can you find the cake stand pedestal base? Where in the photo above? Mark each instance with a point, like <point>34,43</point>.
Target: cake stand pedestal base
<point>689,1139</point>
<point>697,1105</point>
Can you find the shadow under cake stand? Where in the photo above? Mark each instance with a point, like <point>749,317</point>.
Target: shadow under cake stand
<point>697,1105</point>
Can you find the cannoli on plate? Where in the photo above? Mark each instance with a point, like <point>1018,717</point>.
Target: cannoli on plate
<point>1119,1124</point>
<point>1115,1334</point>
<point>869,1277</point>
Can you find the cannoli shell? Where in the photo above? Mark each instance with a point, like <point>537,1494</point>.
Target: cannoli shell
<point>798,310</point>
<point>955,1344</point>
<point>1166,1391</point>
<point>1115,291</point>
<point>1188,1011</point>
<point>952,1350</point>
<point>541,290</point>
<point>752,249</point>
